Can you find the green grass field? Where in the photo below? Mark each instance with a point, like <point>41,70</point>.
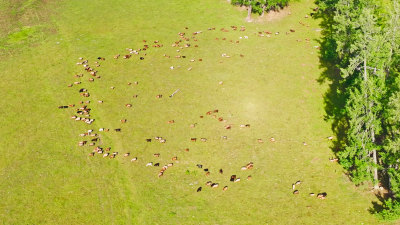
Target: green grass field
<point>46,178</point>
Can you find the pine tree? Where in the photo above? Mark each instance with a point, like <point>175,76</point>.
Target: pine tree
<point>362,51</point>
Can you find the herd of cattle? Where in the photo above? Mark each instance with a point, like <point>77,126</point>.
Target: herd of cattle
<point>82,110</point>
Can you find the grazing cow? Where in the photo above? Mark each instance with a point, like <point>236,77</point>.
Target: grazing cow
<point>124,120</point>
<point>174,158</point>
<point>186,149</point>
<point>157,164</point>
<point>159,96</point>
<point>233,177</point>
<point>228,127</point>
<point>322,195</point>
<point>108,149</point>
<point>116,56</point>
<point>296,192</point>
<point>203,139</point>
<point>249,177</point>
<point>199,166</point>
<point>208,113</point>
<point>225,188</point>
<point>128,105</point>
<point>330,138</point>
<point>193,125</point>
<point>333,159</point>
<point>208,183</point>
<point>106,154</point>
<point>249,165</point>
<point>134,159</point>
<point>193,139</point>
<point>135,96</point>
<point>127,154</point>
<point>237,180</point>
<point>171,121</point>
<point>220,119</point>
<point>163,141</point>
<point>199,189</point>
<point>149,164</point>
<point>272,139</point>
<point>148,140</point>
<point>312,194</point>
<point>208,173</point>
<point>293,186</point>
<point>221,171</point>
<point>91,154</point>
<point>206,169</point>
<point>214,185</point>
<point>156,154</point>
<point>298,182</point>
<point>170,164</point>
<point>201,117</point>
<point>118,130</point>
<point>260,140</point>
<point>127,56</point>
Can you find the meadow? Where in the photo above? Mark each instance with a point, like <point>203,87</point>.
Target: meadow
<point>269,81</point>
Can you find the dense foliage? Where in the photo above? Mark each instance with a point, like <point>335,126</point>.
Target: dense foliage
<point>260,6</point>
<point>362,41</point>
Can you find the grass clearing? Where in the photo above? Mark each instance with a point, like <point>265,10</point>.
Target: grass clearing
<point>46,178</point>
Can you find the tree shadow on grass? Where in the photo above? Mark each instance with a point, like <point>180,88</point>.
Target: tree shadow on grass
<point>377,206</point>
<point>334,97</point>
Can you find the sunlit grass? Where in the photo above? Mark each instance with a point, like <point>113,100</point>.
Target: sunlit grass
<point>47,179</point>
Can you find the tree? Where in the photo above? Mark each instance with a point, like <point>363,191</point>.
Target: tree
<point>260,6</point>
<point>368,56</point>
<point>360,49</point>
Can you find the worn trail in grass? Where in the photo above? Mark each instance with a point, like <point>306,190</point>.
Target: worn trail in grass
<point>46,178</point>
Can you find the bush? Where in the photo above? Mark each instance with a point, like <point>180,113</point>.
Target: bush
<point>391,210</point>
<point>257,6</point>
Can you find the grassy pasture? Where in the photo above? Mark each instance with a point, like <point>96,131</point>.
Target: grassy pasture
<point>47,179</point>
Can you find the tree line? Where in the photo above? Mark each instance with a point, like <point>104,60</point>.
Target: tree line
<point>360,53</point>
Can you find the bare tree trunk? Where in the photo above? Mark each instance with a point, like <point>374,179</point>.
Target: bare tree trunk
<point>263,8</point>
<point>376,186</point>
<point>365,69</point>
<point>248,19</point>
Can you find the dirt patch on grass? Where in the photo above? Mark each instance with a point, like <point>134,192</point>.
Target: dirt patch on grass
<point>274,15</point>
<point>24,22</point>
